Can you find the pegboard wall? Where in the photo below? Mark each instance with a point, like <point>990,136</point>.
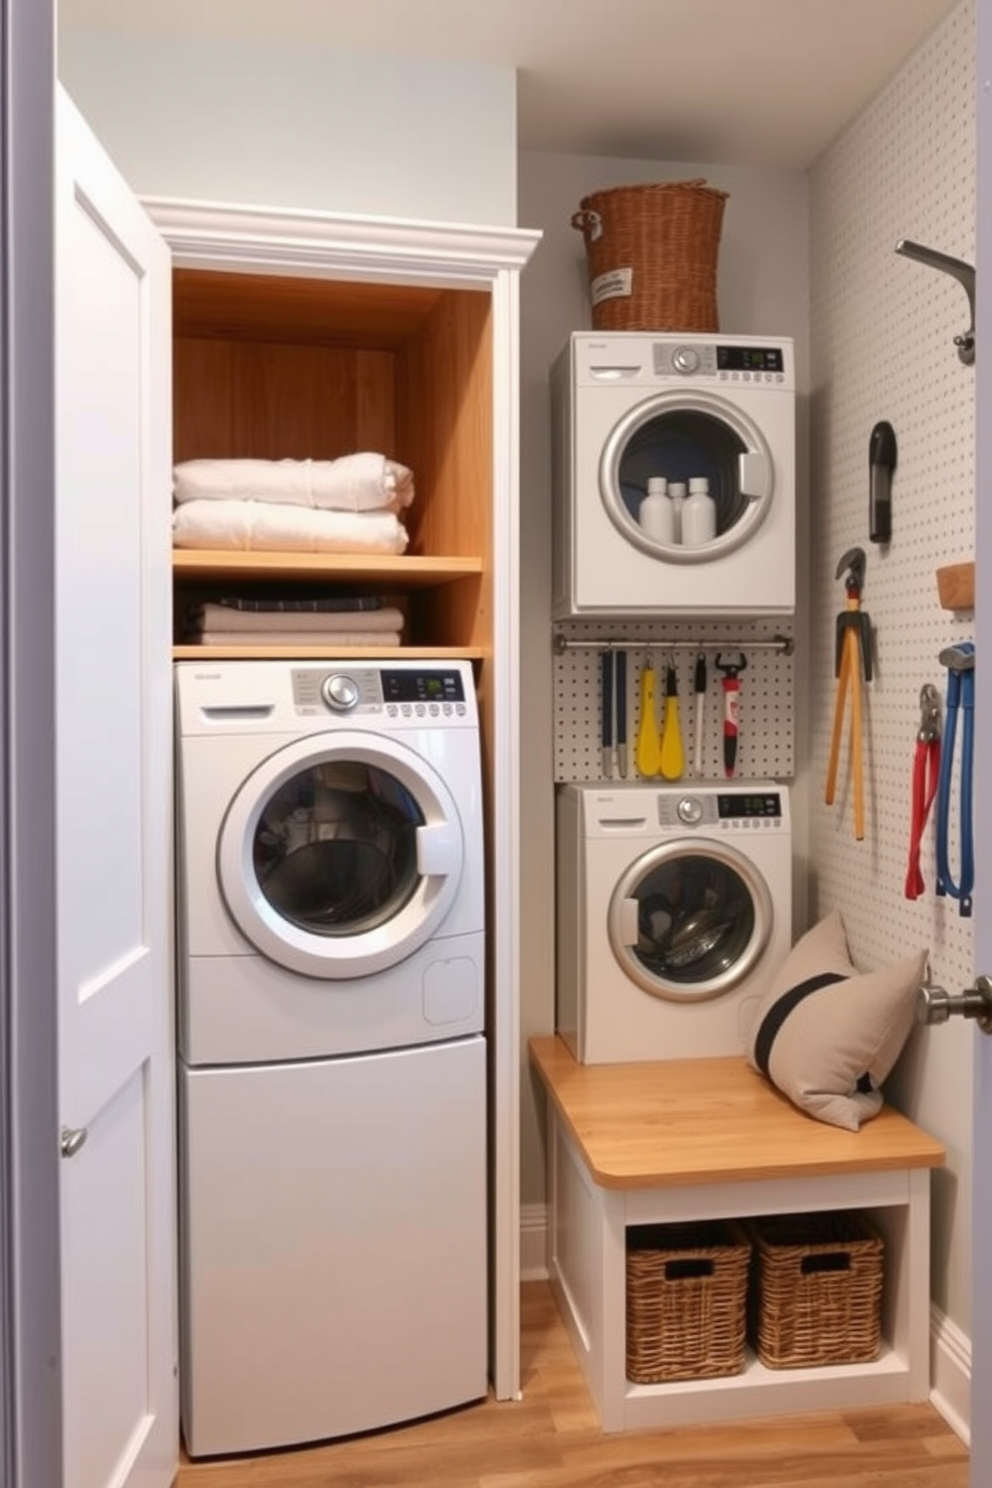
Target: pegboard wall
<point>766,740</point>
<point>882,330</point>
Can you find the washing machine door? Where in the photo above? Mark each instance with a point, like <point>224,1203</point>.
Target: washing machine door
<point>690,919</point>
<point>681,435</point>
<point>340,854</point>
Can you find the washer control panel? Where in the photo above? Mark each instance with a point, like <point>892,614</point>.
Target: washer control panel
<point>435,693</point>
<point>731,810</point>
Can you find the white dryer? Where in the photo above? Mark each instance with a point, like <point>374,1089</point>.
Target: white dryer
<point>674,908</point>
<point>332,1079</point>
<point>630,406</point>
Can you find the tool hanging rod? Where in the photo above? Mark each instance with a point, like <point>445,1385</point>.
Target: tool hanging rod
<point>783,644</point>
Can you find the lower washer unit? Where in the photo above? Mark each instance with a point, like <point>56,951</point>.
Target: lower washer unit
<point>295,1241</point>
<point>674,907</point>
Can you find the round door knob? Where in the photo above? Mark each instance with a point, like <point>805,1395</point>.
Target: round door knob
<point>71,1139</point>
<point>340,693</point>
<point>685,359</point>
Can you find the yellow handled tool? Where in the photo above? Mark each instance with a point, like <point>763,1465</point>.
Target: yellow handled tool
<point>648,753</point>
<point>672,757</point>
<point>852,664</point>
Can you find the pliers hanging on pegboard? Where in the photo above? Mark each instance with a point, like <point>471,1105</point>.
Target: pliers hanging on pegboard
<point>852,663</point>
<point>926,772</point>
<point>960,663</point>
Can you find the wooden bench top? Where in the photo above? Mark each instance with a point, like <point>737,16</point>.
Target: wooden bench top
<point>694,1121</point>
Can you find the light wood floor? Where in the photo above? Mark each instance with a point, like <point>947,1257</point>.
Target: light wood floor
<point>551,1439</point>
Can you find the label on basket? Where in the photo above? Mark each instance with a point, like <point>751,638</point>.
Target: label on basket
<point>616,285</point>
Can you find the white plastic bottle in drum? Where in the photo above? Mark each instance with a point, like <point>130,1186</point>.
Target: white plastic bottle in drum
<point>676,495</point>
<point>698,514</point>
<point>655,514</point>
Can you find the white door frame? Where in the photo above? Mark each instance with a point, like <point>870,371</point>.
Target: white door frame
<point>30,1387</point>
<point>981,1145</point>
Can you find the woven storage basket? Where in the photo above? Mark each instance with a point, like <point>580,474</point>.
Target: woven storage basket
<point>686,1300</point>
<point>652,255</point>
<point>818,1289</point>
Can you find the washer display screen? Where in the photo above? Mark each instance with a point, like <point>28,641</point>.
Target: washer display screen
<point>750,359</point>
<point>762,803</point>
<point>434,686</point>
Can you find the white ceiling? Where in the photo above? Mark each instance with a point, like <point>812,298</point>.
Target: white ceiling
<point>763,81</point>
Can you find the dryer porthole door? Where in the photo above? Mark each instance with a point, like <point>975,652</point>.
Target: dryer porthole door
<point>679,436</point>
<point>689,920</point>
<point>341,854</point>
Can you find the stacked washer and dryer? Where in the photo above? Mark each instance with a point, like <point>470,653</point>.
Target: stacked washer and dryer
<point>332,1075</point>
<point>674,900</point>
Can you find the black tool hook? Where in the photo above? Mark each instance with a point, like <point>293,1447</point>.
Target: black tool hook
<point>731,668</point>
<point>854,564</point>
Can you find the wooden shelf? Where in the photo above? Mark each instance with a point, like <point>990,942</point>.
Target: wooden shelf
<point>402,571</point>
<point>248,652</point>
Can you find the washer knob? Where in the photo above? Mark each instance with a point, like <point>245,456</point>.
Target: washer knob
<point>340,693</point>
<point>689,810</point>
<point>685,359</point>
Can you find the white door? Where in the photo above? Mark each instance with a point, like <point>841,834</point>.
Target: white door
<point>113,785</point>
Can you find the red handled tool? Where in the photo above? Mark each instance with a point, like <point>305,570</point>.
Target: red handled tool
<point>926,772</point>
<point>731,708</point>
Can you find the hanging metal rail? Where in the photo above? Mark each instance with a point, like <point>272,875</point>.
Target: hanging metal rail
<point>784,645</point>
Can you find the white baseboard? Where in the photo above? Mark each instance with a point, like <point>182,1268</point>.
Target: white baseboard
<point>533,1242</point>
<point>950,1373</point>
<point>950,1349</point>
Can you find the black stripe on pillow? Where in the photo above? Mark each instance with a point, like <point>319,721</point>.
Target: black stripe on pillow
<point>776,1015</point>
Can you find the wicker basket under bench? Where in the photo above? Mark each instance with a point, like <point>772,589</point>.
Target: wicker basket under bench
<point>701,1141</point>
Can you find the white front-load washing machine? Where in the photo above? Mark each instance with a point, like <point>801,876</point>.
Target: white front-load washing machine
<point>629,407</point>
<point>332,1076</point>
<point>674,907</point>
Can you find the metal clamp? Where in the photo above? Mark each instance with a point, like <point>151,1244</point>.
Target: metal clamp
<point>934,1005</point>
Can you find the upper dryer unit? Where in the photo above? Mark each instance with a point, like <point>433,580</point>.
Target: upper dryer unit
<point>632,406</point>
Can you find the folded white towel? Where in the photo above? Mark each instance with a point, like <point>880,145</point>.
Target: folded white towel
<point>237,526</point>
<point>359,482</point>
<point>219,617</point>
<point>300,638</point>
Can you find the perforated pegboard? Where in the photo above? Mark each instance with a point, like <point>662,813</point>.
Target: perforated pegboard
<point>766,741</point>
<point>882,329</point>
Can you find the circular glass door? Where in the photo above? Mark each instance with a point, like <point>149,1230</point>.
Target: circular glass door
<point>340,855</point>
<point>681,437</point>
<point>689,920</point>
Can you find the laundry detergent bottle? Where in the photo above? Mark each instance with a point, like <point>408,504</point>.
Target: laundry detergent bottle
<point>698,514</point>
<point>676,495</point>
<point>656,517</point>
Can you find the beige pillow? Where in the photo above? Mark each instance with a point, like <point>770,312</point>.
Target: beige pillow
<point>828,1035</point>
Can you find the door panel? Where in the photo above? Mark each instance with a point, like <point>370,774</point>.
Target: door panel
<point>113,789</point>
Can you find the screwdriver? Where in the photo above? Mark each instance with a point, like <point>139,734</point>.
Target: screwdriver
<point>699,688</point>
<point>672,753</point>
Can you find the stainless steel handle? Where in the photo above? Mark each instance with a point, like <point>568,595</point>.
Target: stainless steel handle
<point>934,1005</point>
<point>72,1138</point>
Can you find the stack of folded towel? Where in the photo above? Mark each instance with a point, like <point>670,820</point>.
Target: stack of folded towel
<point>350,621</point>
<point>348,505</point>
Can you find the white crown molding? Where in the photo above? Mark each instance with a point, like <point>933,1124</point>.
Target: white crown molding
<point>202,234</point>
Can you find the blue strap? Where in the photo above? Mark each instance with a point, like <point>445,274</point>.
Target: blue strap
<point>960,696</point>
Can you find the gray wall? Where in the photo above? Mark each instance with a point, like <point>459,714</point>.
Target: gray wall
<point>235,122</point>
